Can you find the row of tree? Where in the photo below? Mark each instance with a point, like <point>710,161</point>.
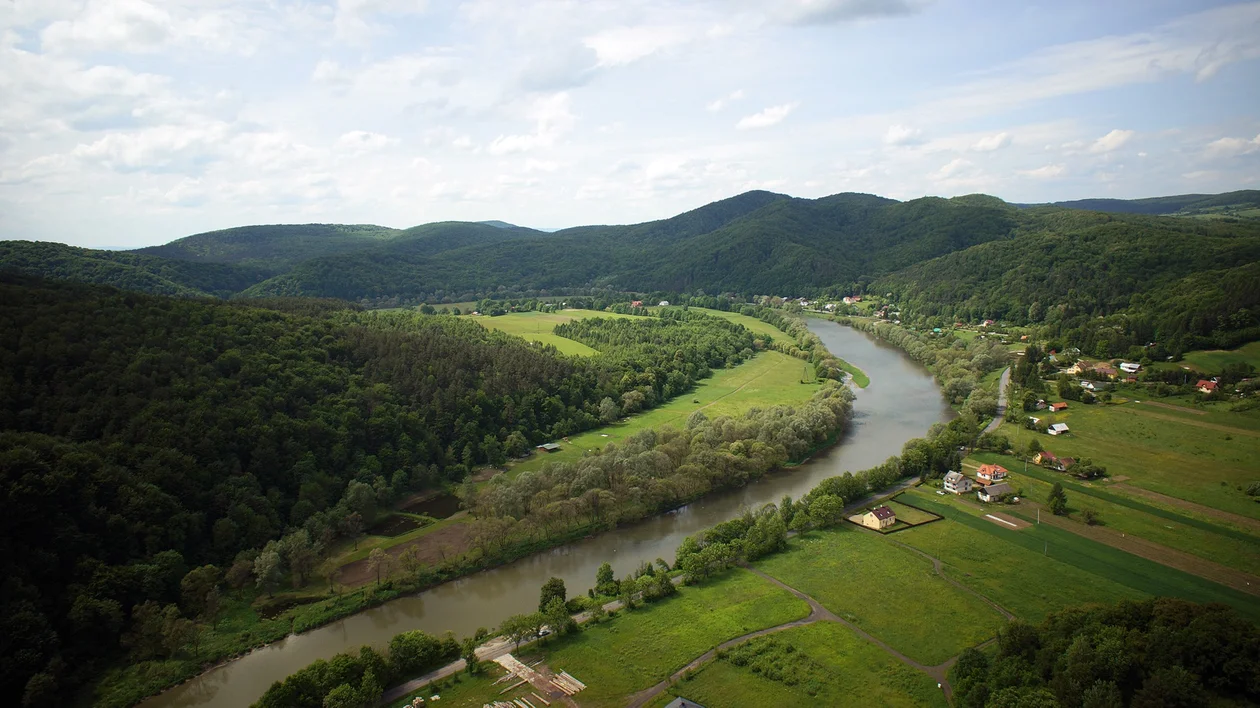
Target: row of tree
<point>1157,653</point>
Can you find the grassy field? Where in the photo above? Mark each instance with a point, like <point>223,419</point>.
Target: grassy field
<point>1028,583</point>
<point>908,514</point>
<point>1137,574</point>
<point>464,691</point>
<point>889,591</point>
<point>1214,360</point>
<point>639,648</point>
<point>1206,538</point>
<point>1166,451</point>
<point>769,379</point>
<point>852,671</point>
<point>756,326</point>
<point>537,326</point>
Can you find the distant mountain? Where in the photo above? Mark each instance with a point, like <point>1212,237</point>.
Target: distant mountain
<point>276,248</point>
<point>758,242</point>
<point>499,224</point>
<point>127,270</point>
<point>1244,204</point>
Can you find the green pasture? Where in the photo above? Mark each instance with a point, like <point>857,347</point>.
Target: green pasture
<point>768,379</point>
<point>1097,559</point>
<point>1163,450</point>
<point>889,591</point>
<point>848,671</point>
<point>637,649</point>
<point>538,326</point>
<point>1029,583</point>
<point>1213,360</point>
<point>908,514</point>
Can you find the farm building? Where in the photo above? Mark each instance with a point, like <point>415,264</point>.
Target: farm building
<point>1129,367</point>
<point>681,702</point>
<point>1206,386</point>
<point>1056,407</point>
<point>881,517</point>
<point>957,483</point>
<point>994,492</point>
<point>663,303</point>
<point>1045,458</point>
<point>990,474</point>
<point>1041,404</point>
<point>1058,429</point>
<point>1094,386</point>
<point>549,447</point>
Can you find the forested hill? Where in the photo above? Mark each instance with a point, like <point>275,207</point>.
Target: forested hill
<point>275,248</point>
<point>127,270</point>
<point>1243,204</point>
<point>755,243</point>
<point>142,436</point>
<point>1162,278</point>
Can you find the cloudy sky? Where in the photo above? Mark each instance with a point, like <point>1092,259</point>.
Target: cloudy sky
<point>132,122</point>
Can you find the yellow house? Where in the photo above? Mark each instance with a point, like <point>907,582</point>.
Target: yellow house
<point>881,517</point>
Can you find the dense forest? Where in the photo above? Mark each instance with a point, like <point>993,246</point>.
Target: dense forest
<point>1163,280</point>
<point>146,437</point>
<point>1159,653</point>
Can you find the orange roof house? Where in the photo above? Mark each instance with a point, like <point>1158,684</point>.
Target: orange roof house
<point>988,474</point>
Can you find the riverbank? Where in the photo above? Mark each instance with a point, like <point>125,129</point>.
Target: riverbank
<point>903,406</point>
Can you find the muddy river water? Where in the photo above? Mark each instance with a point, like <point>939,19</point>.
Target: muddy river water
<point>901,403</point>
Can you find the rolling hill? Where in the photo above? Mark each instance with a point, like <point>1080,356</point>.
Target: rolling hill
<point>1243,204</point>
<point>275,248</point>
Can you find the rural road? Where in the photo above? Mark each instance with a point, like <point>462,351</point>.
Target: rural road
<point>1001,407</point>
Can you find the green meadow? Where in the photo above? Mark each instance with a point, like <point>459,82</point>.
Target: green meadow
<point>1137,574</point>
<point>538,326</point>
<point>835,664</point>
<point>889,591</point>
<point>768,379</point>
<point>1159,449</point>
<point>1213,360</point>
<point>637,649</point>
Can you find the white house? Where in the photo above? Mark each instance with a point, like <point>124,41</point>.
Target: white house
<point>1129,367</point>
<point>957,483</point>
<point>1058,429</point>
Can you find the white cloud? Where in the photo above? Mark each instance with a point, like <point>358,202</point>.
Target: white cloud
<point>156,149</point>
<point>552,120</point>
<point>952,169</point>
<point>770,116</point>
<point>1232,147</point>
<point>140,26</point>
<point>1111,141</point>
<point>989,143</point>
<point>902,135</point>
<point>357,21</point>
<point>720,103</point>
<point>623,45</point>
<point>1045,171</point>
<point>359,142</point>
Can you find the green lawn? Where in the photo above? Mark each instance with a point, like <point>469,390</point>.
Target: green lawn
<point>1137,574</point>
<point>886,590</point>
<point>537,326</point>
<point>637,649</point>
<point>908,514</point>
<point>1161,450</point>
<point>768,379</point>
<point>848,671</point>
<point>1028,583</point>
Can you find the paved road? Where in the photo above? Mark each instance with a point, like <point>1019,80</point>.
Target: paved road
<point>1001,409</point>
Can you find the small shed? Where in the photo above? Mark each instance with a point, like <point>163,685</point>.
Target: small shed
<point>1058,429</point>
<point>549,447</point>
<point>881,517</point>
<point>1056,407</point>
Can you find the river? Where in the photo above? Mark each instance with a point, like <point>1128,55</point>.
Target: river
<point>900,403</point>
